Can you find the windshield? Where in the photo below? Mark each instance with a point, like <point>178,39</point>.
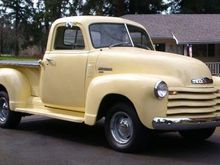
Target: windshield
<point>112,34</point>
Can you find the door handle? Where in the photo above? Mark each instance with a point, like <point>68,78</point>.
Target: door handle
<point>49,59</point>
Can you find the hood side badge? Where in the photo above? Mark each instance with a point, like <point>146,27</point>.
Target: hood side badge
<point>102,69</point>
<point>203,80</point>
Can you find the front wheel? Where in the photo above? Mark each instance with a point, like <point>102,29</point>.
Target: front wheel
<point>198,134</point>
<point>123,130</point>
<point>8,118</point>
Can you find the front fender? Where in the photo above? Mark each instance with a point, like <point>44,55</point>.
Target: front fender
<point>17,86</point>
<point>139,89</point>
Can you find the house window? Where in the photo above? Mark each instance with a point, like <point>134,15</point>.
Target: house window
<point>160,47</point>
<point>203,50</point>
<point>211,50</point>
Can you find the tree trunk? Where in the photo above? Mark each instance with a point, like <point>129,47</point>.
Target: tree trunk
<point>16,31</point>
<point>1,37</point>
<point>120,9</point>
<point>1,43</point>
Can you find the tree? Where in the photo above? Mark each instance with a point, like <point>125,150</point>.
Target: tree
<point>1,34</point>
<point>146,6</point>
<point>75,7</point>
<point>7,35</point>
<point>2,20</point>
<point>119,7</point>
<point>94,7</point>
<point>47,11</point>
<point>122,7</point>
<point>31,19</point>
<point>195,7</point>
<point>19,11</point>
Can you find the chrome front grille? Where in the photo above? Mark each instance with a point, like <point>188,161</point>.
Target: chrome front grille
<point>193,101</point>
<point>218,101</point>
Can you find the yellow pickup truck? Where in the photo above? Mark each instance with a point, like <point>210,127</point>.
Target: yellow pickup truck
<point>103,67</point>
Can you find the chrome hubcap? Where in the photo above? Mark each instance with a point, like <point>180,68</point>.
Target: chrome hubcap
<point>4,109</point>
<point>121,127</point>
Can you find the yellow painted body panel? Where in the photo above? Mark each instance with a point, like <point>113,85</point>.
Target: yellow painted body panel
<point>69,85</point>
<point>63,80</point>
<point>137,88</point>
<point>18,93</point>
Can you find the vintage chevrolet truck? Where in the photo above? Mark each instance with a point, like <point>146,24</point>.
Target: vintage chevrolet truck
<point>103,67</point>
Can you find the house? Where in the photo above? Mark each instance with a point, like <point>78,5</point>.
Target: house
<point>195,35</point>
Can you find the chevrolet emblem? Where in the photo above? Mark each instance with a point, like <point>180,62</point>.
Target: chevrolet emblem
<point>203,80</point>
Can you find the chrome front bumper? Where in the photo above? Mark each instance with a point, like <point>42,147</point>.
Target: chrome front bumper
<point>173,124</point>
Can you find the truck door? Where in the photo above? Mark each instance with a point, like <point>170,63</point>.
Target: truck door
<point>63,71</point>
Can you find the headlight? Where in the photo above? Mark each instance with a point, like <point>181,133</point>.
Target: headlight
<point>160,89</point>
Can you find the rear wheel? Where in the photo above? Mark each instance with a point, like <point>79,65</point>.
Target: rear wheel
<point>198,134</point>
<point>8,118</point>
<point>123,130</point>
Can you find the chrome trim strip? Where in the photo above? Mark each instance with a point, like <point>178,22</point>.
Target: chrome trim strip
<point>173,124</point>
<point>20,63</point>
<point>129,35</point>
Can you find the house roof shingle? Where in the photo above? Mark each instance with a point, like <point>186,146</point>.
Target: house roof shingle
<point>185,28</point>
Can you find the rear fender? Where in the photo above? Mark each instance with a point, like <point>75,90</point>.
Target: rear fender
<point>17,86</point>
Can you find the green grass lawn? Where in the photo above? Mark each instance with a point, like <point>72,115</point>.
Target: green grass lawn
<point>15,58</point>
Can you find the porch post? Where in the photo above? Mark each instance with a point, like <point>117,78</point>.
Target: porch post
<point>185,50</point>
<point>190,50</point>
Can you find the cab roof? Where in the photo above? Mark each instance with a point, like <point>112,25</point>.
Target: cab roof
<point>87,20</point>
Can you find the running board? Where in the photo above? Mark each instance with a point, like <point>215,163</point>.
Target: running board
<point>77,117</point>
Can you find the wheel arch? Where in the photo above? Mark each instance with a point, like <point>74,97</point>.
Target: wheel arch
<point>2,88</point>
<point>109,100</point>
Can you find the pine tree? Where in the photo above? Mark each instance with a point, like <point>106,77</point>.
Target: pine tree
<point>19,11</point>
<point>195,6</point>
<point>147,6</point>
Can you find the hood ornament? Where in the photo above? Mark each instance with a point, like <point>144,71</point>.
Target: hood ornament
<point>203,80</point>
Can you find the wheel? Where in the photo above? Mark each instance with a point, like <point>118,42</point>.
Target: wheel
<point>198,134</point>
<point>8,118</point>
<point>123,130</point>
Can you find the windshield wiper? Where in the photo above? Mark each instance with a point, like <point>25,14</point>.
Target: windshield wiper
<point>142,46</point>
<point>119,44</point>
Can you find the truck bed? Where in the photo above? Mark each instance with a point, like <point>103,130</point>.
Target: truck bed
<point>31,69</point>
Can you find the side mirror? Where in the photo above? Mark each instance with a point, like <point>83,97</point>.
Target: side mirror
<point>40,62</point>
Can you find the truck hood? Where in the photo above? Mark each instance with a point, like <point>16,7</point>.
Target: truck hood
<point>175,70</point>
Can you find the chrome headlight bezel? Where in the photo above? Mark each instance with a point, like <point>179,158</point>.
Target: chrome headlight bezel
<point>160,89</point>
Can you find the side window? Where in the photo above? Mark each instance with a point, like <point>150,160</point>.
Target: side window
<point>69,39</point>
<point>140,37</point>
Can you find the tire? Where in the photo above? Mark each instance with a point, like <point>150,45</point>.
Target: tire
<point>198,134</point>
<point>123,130</point>
<point>8,118</point>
